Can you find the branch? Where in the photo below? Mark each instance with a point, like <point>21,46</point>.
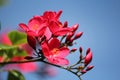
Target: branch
<point>40,60</point>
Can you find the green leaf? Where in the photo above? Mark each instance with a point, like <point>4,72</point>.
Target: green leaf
<point>15,75</point>
<point>8,50</point>
<point>17,37</point>
<point>11,51</point>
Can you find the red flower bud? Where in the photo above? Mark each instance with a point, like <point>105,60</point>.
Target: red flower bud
<point>88,50</point>
<point>65,24</point>
<point>89,68</point>
<point>88,58</point>
<point>75,27</point>
<point>78,35</point>
<point>71,40</point>
<point>69,35</point>
<point>80,49</point>
<point>73,50</point>
<point>31,41</point>
<point>83,71</point>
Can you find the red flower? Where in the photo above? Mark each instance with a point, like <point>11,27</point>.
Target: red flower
<point>54,53</point>
<point>36,26</point>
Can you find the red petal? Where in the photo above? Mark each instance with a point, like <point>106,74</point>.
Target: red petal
<point>54,43</point>
<point>35,24</point>
<point>53,27</point>
<point>41,31</point>
<point>45,49</point>
<point>23,26</point>
<point>48,34</point>
<point>58,61</point>
<point>62,31</point>
<point>58,14</point>
<point>63,52</point>
<point>31,33</point>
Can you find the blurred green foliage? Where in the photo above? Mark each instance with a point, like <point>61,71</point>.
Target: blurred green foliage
<point>17,37</point>
<point>3,2</point>
<point>15,75</point>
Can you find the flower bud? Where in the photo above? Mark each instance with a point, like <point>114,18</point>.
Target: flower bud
<point>88,50</point>
<point>88,58</point>
<point>83,71</point>
<point>73,50</point>
<point>75,27</point>
<point>69,35</point>
<point>78,35</point>
<point>89,68</point>
<point>80,49</point>
<point>65,24</point>
<point>31,41</point>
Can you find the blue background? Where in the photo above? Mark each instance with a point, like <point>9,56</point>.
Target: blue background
<point>98,19</point>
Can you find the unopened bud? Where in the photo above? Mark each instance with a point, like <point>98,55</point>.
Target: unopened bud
<point>88,50</point>
<point>78,35</point>
<point>88,58</point>
<point>75,27</point>
<point>69,35</point>
<point>89,68</point>
<point>71,40</point>
<point>73,50</point>
<point>65,24</point>
<point>31,41</point>
<point>83,71</point>
<point>80,49</point>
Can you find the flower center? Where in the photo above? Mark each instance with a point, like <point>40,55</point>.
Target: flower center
<point>35,27</point>
<point>55,51</point>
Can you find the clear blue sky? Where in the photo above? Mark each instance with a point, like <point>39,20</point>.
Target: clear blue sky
<point>98,19</point>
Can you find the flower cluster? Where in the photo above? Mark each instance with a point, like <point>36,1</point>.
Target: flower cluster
<point>51,39</point>
<point>46,29</point>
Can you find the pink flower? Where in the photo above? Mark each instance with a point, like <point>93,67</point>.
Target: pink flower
<point>54,53</point>
<point>36,26</point>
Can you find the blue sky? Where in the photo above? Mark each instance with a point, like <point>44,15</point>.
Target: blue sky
<point>98,19</point>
